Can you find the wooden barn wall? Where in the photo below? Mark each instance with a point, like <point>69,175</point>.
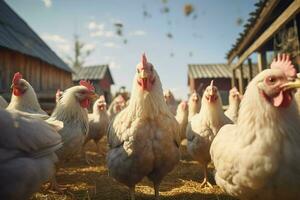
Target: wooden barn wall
<point>42,76</point>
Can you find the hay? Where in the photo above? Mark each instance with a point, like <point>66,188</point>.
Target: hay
<point>92,182</point>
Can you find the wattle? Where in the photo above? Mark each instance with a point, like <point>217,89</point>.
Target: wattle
<point>17,92</point>
<point>85,103</point>
<point>283,99</point>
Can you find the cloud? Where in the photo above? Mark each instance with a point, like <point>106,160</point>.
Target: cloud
<point>88,47</point>
<point>53,38</point>
<point>98,30</point>
<point>102,33</point>
<point>114,65</point>
<point>47,3</point>
<point>95,26</point>
<point>111,45</point>
<point>138,33</point>
<point>64,48</point>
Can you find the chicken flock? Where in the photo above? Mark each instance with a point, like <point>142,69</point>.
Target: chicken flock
<point>253,145</point>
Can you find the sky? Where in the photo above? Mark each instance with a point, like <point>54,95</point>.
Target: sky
<point>205,36</point>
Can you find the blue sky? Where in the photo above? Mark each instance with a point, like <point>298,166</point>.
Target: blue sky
<point>208,37</point>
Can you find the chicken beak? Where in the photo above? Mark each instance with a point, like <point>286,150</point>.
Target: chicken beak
<point>291,85</point>
<point>93,96</point>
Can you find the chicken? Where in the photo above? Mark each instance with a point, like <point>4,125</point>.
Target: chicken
<point>234,103</point>
<point>194,104</point>
<point>203,128</point>
<point>98,123</point>
<point>182,118</point>
<point>258,158</point>
<point>3,102</point>
<point>71,109</point>
<point>24,98</point>
<point>170,100</point>
<point>58,95</point>
<point>144,137</point>
<point>27,154</point>
<point>116,106</point>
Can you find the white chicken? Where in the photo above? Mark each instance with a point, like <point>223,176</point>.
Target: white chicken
<point>170,100</point>
<point>234,103</point>
<point>116,106</point>
<point>194,104</point>
<point>98,124</point>
<point>182,118</point>
<point>27,155</point>
<point>143,138</point>
<point>258,158</point>
<point>71,109</point>
<point>203,128</point>
<point>24,98</point>
<point>3,102</point>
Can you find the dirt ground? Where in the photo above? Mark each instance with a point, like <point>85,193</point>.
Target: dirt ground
<point>86,182</point>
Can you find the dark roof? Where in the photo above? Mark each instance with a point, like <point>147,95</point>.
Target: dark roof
<point>253,16</point>
<point>97,72</point>
<point>196,71</point>
<point>16,35</point>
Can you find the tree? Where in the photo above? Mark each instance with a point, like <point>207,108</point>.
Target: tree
<point>80,54</point>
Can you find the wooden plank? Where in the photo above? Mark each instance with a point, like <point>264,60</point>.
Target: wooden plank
<point>261,61</point>
<point>265,13</point>
<point>241,79</point>
<point>289,13</point>
<point>250,69</point>
<point>233,78</point>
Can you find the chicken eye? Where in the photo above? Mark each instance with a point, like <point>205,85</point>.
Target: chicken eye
<point>82,92</point>
<point>271,80</point>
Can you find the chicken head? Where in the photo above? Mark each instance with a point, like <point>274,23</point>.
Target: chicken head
<point>275,86</point>
<point>19,85</point>
<point>146,76</point>
<point>85,93</point>
<point>195,97</point>
<point>211,93</point>
<point>101,103</point>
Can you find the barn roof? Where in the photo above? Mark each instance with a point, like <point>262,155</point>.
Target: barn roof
<point>16,35</point>
<point>97,72</point>
<point>196,71</point>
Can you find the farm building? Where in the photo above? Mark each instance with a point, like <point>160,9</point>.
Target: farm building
<point>272,28</point>
<point>200,76</point>
<point>99,75</point>
<point>22,50</point>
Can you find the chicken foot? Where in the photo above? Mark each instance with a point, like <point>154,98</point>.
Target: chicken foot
<point>205,181</point>
<point>132,193</point>
<point>156,191</point>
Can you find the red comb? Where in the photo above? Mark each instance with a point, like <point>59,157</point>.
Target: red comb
<point>234,89</point>
<point>102,98</point>
<point>284,63</point>
<point>87,84</point>
<point>17,77</point>
<point>120,98</point>
<point>144,61</point>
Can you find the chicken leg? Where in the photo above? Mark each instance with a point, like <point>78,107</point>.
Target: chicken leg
<point>88,160</point>
<point>205,182</point>
<point>132,193</point>
<point>156,191</point>
<point>99,149</point>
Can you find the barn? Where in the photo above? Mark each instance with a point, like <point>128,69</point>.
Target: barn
<point>200,76</point>
<point>99,75</point>
<point>272,28</point>
<point>22,50</point>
